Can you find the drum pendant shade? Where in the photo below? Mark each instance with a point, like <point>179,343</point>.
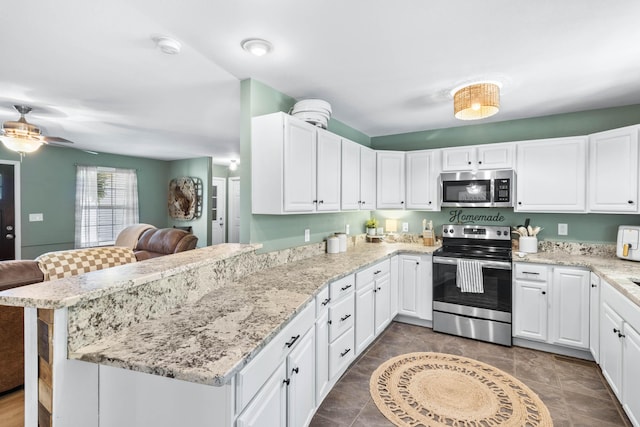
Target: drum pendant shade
<point>476,101</point>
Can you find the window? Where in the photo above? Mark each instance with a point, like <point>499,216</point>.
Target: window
<point>106,202</point>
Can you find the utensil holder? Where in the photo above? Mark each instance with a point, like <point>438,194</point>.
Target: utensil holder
<point>528,244</point>
<point>427,238</point>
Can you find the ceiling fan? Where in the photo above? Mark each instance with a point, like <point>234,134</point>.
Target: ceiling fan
<point>24,137</point>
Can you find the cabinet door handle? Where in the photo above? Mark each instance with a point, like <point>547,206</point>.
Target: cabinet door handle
<point>402,203</point>
<point>479,162</point>
<point>544,292</point>
<point>287,381</point>
<point>630,202</point>
<point>469,162</point>
<point>363,202</point>
<point>315,201</point>
<point>295,370</point>
<point>377,272</point>
<point>293,340</point>
<point>344,353</point>
<point>346,287</point>
<point>329,321</point>
<point>593,285</point>
<point>325,302</point>
<point>321,201</point>
<point>346,316</point>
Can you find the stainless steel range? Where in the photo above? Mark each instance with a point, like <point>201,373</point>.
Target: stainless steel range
<point>472,283</point>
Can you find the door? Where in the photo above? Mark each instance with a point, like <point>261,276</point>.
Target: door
<point>594,317</point>
<point>329,147</point>
<point>569,321</point>
<point>218,210</point>
<point>234,210</point>
<point>382,291</point>
<point>408,283</point>
<point>322,357</point>
<point>530,310</point>
<point>7,212</point>
<point>367,178</point>
<point>611,348</point>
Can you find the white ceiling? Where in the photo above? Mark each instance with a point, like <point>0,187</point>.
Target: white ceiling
<point>93,75</point>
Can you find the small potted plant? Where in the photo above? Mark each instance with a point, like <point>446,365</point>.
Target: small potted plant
<point>371,225</point>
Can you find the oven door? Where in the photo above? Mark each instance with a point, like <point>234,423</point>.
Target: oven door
<point>467,192</point>
<point>493,304</point>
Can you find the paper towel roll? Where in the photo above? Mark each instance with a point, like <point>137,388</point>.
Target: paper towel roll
<point>342,239</point>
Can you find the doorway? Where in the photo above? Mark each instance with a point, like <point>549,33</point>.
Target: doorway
<point>218,210</point>
<point>234,210</point>
<point>9,210</point>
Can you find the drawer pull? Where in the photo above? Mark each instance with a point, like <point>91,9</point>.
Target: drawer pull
<point>293,340</point>
<point>619,332</point>
<point>531,272</point>
<point>346,287</point>
<point>377,272</point>
<point>346,316</point>
<point>344,353</point>
<point>593,285</point>
<point>325,302</point>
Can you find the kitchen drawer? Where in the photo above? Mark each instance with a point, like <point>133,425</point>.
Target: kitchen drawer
<point>528,271</point>
<point>341,353</point>
<point>369,274</point>
<point>342,287</point>
<point>251,378</point>
<point>322,301</point>
<point>341,316</point>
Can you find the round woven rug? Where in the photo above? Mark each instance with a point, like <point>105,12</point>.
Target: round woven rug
<point>436,389</point>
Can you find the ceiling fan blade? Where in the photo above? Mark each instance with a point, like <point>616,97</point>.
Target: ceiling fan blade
<point>57,139</point>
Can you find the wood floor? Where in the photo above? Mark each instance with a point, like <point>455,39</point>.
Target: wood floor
<point>12,409</point>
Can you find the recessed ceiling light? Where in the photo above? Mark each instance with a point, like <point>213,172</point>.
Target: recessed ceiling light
<point>257,47</point>
<point>233,165</point>
<point>167,44</point>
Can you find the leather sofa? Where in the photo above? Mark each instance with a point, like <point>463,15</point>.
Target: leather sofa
<point>157,242</point>
<point>12,275</point>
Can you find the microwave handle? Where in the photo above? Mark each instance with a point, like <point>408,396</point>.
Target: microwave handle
<point>500,265</point>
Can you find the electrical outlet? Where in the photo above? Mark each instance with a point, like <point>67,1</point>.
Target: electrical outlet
<point>307,235</point>
<point>347,229</point>
<point>563,229</point>
<point>36,217</point>
<point>405,227</point>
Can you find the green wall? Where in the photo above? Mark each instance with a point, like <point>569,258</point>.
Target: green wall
<point>571,124</point>
<point>48,187</point>
<point>195,168</point>
<point>283,231</point>
<point>593,228</point>
<point>582,227</point>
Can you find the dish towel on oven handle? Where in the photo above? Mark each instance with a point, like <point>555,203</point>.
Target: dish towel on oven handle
<point>469,276</point>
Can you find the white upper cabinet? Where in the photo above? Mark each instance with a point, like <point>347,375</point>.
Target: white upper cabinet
<point>489,156</point>
<point>390,182</point>
<point>358,177</point>
<point>551,175</point>
<point>329,152</point>
<point>295,168</point>
<point>613,171</point>
<point>422,180</point>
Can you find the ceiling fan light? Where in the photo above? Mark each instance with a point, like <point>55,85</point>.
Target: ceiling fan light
<point>21,145</point>
<point>257,47</point>
<point>168,45</point>
<point>476,101</point>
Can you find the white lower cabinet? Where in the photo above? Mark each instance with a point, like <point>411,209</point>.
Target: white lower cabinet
<point>301,372</point>
<point>594,318</point>
<point>322,345</point>
<point>551,304</point>
<point>269,407</point>
<point>415,290</point>
<point>373,305</point>
<point>620,348</point>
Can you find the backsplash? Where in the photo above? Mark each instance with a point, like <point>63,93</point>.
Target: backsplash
<point>575,248</point>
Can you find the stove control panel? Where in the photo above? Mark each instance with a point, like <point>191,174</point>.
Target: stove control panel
<point>470,231</point>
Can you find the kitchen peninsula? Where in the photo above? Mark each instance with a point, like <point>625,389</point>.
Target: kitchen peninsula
<point>192,320</point>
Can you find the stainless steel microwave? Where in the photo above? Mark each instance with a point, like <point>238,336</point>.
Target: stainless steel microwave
<point>480,189</point>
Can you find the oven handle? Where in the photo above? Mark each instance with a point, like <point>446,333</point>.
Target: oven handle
<point>499,265</point>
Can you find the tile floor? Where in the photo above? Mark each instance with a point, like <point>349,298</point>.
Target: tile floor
<point>573,390</point>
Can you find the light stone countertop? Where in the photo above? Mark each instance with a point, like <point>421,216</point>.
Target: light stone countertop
<point>210,340</point>
<point>617,272</point>
<point>73,290</point>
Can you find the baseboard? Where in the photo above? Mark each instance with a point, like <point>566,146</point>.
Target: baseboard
<point>402,318</point>
<point>556,349</point>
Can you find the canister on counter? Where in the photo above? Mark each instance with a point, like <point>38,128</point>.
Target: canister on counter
<point>427,238</point>
<point>342,239</point>
<point>333,245</point>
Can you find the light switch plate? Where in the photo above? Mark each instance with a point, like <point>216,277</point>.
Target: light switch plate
<point>563,229</point>
<point>347,229</point>
<point>307,235</point>
<point>405,227</point>
<point>36,217</point>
